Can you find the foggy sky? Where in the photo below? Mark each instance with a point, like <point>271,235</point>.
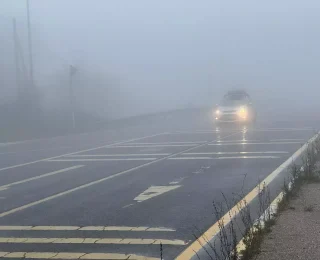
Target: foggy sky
<point>167,54</point>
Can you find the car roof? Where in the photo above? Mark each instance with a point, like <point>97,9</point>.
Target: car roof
<point>237,92</point>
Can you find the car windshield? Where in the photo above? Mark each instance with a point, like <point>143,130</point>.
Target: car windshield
<point>234,100</point>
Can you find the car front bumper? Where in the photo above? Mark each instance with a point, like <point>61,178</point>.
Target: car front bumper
<point>230,117</point>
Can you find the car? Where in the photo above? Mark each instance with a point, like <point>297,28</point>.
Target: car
<point>236,106</point>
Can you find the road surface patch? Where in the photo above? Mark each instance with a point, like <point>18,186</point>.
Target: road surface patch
<point>81,151</point>
<point>6,213</point>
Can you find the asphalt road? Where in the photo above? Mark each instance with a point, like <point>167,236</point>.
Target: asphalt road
<point>118,194</point>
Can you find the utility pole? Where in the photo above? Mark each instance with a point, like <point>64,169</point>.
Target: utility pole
<point>72,71</point>
<point>16,58</point>
<point>30,46</point>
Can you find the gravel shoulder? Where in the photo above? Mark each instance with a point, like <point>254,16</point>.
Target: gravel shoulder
<point>296,234</point>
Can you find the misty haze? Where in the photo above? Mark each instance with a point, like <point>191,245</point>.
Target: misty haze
<point>158,129</point>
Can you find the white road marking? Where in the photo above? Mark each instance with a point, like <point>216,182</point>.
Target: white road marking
<point>38,150</point>
<point>236,141</point>
<point>191,158</point>
<point>127,206</point>
<point>78,240</point>
<point>165,143</point>
<point>6,186</point>
<point>155,145</point>
<point>213,231</point>
<point>283,140</point>
<point>248,129</point>
<point>152,149</point>
<point>87,228</point>
<point>224,157</point>
<point>191,132</point>
<point>220,144</point>
<point>6,213</point>
<point>154,191</point>
<point>74,256</point>
<point>246,157</point>
<point>280,129</point>
<point>117,155</point>
<point>82,151</point>
<point>177,181</point>
<point>221,153</point>
<point>104,159</point>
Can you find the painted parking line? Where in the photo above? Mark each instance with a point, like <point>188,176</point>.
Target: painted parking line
<point>221,153</point>
<point>65,255</point>
<point>81,240</point>
<point>86,228</point>
<point>225,157</point>
<point>214,230</point>
<point>264,143</point>
<point>81,151</point>
<point>14,210</point>
<point>4,187</point>
<point>118,155</point>
<point>104,159</point>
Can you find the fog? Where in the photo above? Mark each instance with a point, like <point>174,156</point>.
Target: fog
<point>135,57</point>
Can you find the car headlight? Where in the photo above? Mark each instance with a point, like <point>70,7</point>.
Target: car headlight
<point>218,112</point>
<point>243,112</point>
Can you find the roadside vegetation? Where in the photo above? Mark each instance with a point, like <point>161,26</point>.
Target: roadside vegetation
<point>241,238</point>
